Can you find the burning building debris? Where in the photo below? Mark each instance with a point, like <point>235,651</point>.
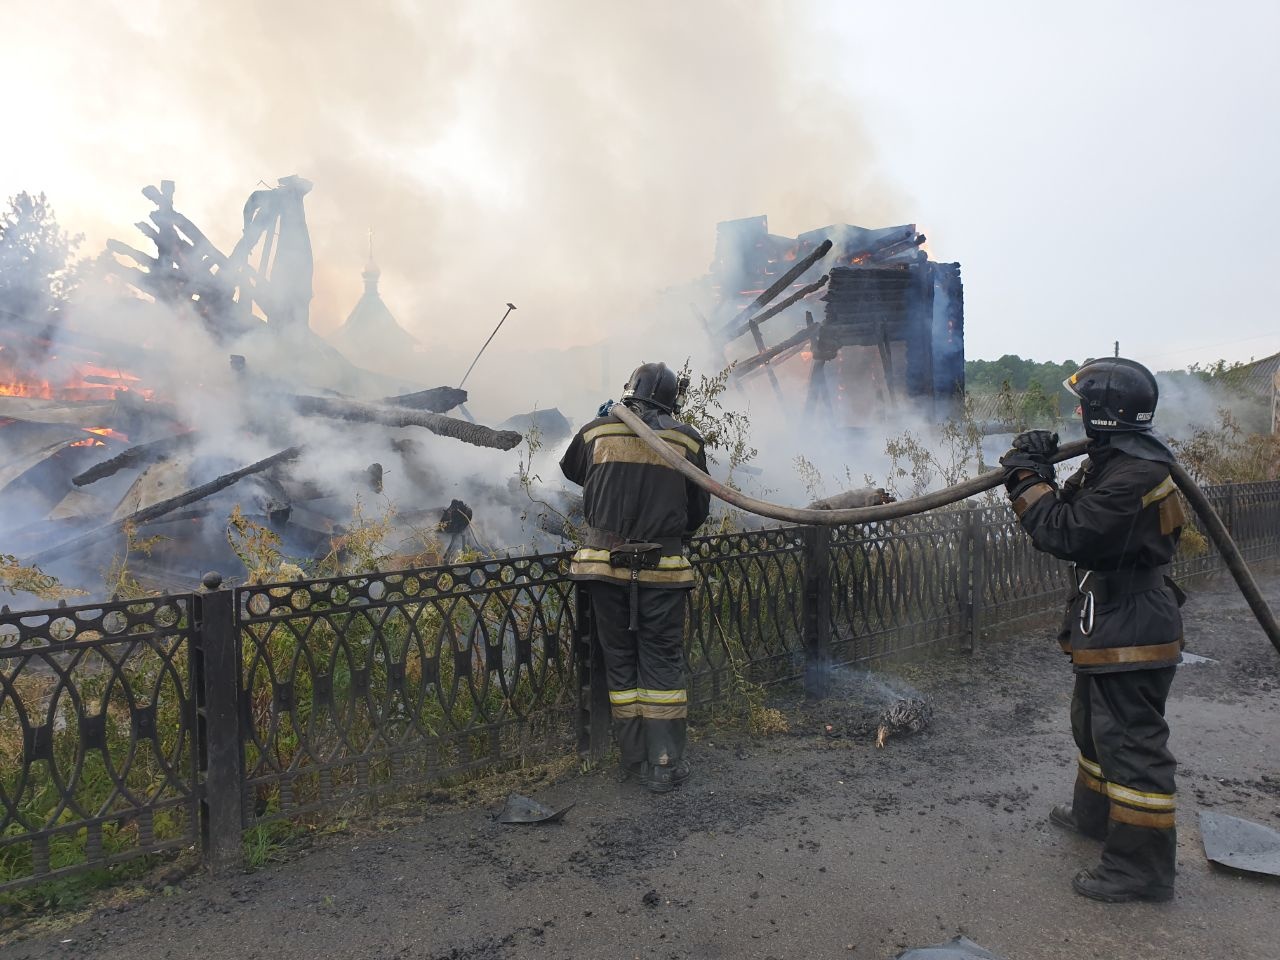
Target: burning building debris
<point>891,332</point>
<point>144,431</point>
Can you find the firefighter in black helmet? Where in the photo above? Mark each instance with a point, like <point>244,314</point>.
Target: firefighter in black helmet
<point>639,514</point>
<point>1117,519</point>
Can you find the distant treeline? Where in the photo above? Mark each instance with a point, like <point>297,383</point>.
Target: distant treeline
<point>1015,391</point>
<point>1014,373</point>
<point>1011,372</point>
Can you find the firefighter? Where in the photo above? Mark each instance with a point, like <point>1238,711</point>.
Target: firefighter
<point>639,515</point>
<point>1118,519</point>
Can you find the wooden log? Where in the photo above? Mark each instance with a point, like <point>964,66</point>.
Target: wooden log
<point>775,288</point>
<point>436,400</point>
<point>134,456</point>
<point>473,433</point>
<point>777,308</point>
<point>147,514</point>
<point>751,364</point>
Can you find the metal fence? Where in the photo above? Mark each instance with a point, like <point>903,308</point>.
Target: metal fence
<point>136,727</point>
<point>98,755</point>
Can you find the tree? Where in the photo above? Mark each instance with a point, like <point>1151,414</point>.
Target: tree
<point>36,268</point>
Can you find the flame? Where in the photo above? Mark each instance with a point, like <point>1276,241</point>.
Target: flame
<point>97,434</point>
<point>86,381</point>
<point>38,389</point>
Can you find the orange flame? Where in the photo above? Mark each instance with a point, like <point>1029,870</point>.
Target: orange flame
<point>97,433</point>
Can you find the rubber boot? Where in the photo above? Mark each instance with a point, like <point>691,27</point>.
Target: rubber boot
<point>1064,816</point>
<point>665,777</point>
<point>1137,864</point>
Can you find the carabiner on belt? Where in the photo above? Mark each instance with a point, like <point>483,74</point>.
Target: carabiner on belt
<point>1086,608</point>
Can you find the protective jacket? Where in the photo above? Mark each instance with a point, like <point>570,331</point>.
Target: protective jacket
<point>1118,520</point>
<point>631,495</point>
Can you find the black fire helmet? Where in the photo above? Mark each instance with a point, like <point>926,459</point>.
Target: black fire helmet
<point>655,384</point>
<point>1116,395</point>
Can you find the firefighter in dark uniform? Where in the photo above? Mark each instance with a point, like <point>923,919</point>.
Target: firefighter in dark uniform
<point>639,514</point>
<point>1118,520</point>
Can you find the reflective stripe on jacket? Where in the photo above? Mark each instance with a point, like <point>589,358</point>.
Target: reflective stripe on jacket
<point>629,493</point>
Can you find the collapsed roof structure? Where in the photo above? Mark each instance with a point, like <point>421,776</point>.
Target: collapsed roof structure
<point>198,385</point>
<point>891,329</point>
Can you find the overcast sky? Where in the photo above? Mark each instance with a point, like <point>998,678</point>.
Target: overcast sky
<point>1103,171</point>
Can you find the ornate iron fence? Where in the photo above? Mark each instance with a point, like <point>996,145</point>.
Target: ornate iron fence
<point>746,614</point>
<point>357,685</point>
<point>898,585</point>
<point>135,727</point>
<point>98,758</point>
<point>1011,578</point>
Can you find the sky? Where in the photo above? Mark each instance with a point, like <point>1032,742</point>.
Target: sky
<point>1102,171</point>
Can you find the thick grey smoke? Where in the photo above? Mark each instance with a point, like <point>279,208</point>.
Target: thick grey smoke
<point>572,157</point>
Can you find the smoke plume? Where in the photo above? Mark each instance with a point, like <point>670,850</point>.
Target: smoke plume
<point>571,157</point>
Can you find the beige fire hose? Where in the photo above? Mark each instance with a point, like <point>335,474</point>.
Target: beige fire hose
<point>940,498</point>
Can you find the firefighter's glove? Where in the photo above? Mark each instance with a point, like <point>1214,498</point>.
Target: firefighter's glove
<point>604,409</point>
<point>1043,443</point>
<point>1022,470</point>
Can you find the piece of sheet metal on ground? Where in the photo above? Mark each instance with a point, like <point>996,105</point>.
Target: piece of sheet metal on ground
<point>521,809</point>
<point>961,948</point>
<point>1194,659</point>
<point>1240,844</point>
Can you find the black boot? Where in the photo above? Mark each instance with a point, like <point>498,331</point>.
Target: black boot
<point>1089,884</point>
<point>665,777</point>
<point>1064,816</point>
<point>633,772</point>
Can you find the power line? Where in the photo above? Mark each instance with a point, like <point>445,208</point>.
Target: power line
<point>1207,346</point>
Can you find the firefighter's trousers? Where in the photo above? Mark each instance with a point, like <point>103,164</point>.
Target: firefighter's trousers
<point>1124,780</point>
<point>644,670</point>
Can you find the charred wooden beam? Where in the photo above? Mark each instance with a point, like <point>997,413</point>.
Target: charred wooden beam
<point>801,265</point>
<point>777,308</point>
<point>359,411</point>
<point>750,364</point>
<point>437,399</point>
<point>147,514</point>
<point>134,456</point>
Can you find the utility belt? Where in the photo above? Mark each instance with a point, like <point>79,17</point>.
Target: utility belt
<point>633,556</point>
<point>1099,588</point>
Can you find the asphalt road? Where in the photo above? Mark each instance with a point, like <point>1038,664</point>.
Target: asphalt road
<point>798,845</point>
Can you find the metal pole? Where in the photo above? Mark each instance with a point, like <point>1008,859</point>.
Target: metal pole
<point>510,307</point>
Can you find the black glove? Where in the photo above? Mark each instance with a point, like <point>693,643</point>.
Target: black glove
<point>603,411</point>
<point>1022,470</point>
<point>1042,443</point>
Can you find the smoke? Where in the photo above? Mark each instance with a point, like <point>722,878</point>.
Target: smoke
<point>1188,404</point>
<point>570,157</point>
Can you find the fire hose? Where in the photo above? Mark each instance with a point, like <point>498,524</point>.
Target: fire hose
<point>1213,524</point>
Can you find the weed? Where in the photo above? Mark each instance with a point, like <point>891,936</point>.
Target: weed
<point>267,842</point>
<point>118,578</point>
<point>16,577</point>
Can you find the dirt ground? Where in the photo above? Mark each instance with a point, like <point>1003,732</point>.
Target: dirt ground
<point>800,845</point>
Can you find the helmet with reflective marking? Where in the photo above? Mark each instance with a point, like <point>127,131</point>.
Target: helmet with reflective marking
<point>1116,395</point>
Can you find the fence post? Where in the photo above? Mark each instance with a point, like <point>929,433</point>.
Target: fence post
<point>816,607</point>
<point>218,735</point>
<point>964,581</point>
<point>593,691</point>
<point>977,573</point>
